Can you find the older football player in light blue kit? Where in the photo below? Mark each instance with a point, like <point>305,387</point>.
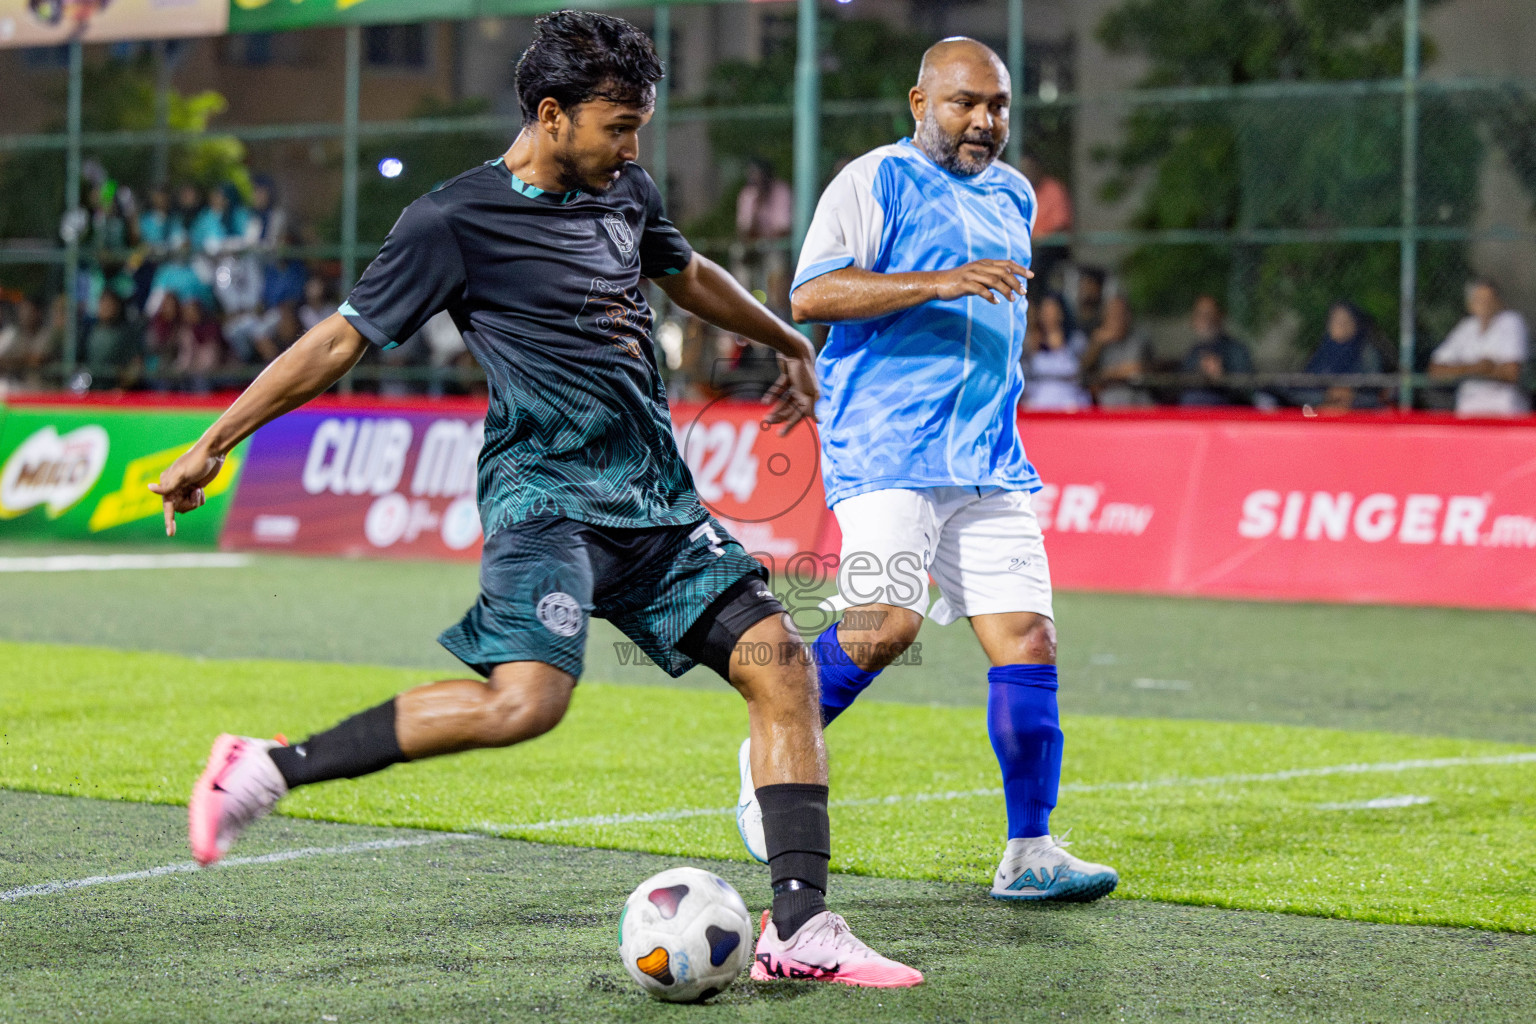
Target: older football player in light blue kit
<point>918,257</point>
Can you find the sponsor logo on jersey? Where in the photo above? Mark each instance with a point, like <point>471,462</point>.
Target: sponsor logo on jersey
<point>611,314</point>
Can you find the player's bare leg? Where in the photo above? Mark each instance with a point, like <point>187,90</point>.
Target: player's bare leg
<point>801,938</point>
<point>870,637</point>
<point>245,778</point>
<point>1023,723</point>
<point>521,700</point>
<point>875,635</point>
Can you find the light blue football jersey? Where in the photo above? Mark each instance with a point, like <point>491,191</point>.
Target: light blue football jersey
<point>927,397</point>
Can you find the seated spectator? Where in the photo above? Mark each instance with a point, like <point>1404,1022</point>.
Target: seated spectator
<point>155,223</point>
<point>114,348</point>
<point>1053,216</point>
<point>199,344</point>
<point>280,328</point>
<point>1118,352</point>
<point>19,322</point>
<point>318,302</point>
<point>162,340</point>
<point>1088,298</point>
<point>249,332</point>
<point>1053,359</point>
<point>189,204</point>
<point>266,224</point>
<point>1347,346</point>
<point>1486,352</point>
<point>1214,355</point>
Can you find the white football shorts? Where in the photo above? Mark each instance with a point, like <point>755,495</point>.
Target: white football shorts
<point>982,547</point>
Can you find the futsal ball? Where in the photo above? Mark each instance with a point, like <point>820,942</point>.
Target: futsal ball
<point>685,935</point>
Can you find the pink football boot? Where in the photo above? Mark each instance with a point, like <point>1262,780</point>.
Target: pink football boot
<point>824,949</point>
<point>239,785</point>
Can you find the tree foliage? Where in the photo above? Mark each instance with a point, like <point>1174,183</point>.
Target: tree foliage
<point>428,159</point>
<point>861,59</point>
<point>1322,163</point>
<point>118,95</point>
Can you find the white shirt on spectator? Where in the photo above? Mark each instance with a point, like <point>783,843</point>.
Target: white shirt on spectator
<point>1505,341</point>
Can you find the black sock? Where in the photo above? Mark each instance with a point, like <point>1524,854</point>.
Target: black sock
<point>798,834</point>
<point>362,744</point>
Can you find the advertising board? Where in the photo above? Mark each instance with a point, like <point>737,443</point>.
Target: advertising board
<point>81,472</point>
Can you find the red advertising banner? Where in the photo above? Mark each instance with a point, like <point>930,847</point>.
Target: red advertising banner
<point>1418,510</point>
<point>398,480</point>
<point>1395,512</point>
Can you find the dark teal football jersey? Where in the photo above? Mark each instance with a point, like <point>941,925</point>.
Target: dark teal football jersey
<point>546,291</point>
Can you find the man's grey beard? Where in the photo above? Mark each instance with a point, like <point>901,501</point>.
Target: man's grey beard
<point>944,149</point>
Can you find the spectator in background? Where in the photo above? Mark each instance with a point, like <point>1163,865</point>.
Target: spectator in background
<point>280,328</point>
<point>1053,361</point>
<point>1347,346</point>
<point>155,222</point>
<point>266,225</point>
<point>1486,352</point>
<point>199,344</point>
<point>447,355</point>
<point>23,342</point>
<point>189,204</point>
<point>1053,216</point>
<point>1214,355</point>
<point>114,348</point>
<point>765,215</point>
<point>1088,302</point>
<point>1118,352</point>
<point>162,340</point>
<point>318,302</point>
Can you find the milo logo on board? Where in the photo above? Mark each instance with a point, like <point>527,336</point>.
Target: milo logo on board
<point>52,469</point>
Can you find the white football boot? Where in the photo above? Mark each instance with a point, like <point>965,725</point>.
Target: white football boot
<point>1040,869</point>
<point>749,814</point>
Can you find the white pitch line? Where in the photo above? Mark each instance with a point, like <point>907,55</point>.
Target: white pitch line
<point>1381,803</point>
<point>48,888</point>
<point>101,563</point>
<point>1387,767</point>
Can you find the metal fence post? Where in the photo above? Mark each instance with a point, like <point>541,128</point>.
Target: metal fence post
<point>71,208</point>
<point>1409,284</point>
<point>354,73</point>
<point>1016,74</point>
<point>662,33</point>
<point>349,158</point>
<point>161,169</point>
<point>807,122</point>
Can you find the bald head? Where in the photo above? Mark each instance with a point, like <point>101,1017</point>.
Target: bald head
<point>960,104</point>
<point>959,53</point>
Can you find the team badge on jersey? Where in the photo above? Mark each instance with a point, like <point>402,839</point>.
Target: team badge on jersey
<point>623,238</point>
<point>560,613</point>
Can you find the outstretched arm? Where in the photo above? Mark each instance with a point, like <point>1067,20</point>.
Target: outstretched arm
<point>856,294</point>
<point>1486,369</point>
<point>704,289</point>
<point>316,361</point>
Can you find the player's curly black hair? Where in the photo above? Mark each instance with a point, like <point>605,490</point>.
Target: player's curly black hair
<point>577,56</point>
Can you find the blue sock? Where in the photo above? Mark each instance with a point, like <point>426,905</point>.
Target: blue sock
<point>841,679</point>
<point>1026,736</point>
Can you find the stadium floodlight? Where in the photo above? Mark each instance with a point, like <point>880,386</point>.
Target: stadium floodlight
<point>391,167</point>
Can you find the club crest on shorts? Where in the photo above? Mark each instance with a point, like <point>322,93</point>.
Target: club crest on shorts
<point>560,613</point>
<point>618,230</point>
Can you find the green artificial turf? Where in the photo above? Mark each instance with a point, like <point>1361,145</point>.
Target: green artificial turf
<point>136,726</point>
<point>470,931</point>
<point>1423,670</point>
